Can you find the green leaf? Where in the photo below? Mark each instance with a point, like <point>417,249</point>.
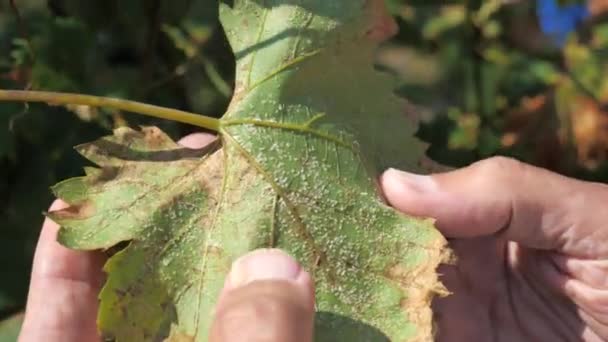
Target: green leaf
<point>309,130</point>
<point>449,18</point>
<point>10,328</point>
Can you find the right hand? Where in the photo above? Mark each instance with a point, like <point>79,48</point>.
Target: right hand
<point>532,249</point>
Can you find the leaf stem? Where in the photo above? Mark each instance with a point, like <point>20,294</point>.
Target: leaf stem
<point>52,98</point>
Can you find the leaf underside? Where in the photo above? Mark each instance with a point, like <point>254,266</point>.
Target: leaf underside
<point>310,127</point>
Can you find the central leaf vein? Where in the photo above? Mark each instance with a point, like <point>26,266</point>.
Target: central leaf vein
<point>302,230</point>
<point>301,128</point>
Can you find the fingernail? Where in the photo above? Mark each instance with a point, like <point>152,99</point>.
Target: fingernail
<point>417,183</point>
<point>264,264</point>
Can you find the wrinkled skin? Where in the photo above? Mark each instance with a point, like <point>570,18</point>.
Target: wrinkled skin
<point>532,249</point>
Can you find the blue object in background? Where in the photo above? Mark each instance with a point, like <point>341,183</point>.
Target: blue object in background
<point>558,21</point>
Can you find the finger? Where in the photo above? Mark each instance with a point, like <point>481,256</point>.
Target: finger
<point>267,297</point>
<point>529,205</point>
<point>62,300</point>
<point>592,304</point>
<point>591,272</point>
<point>197,140</point>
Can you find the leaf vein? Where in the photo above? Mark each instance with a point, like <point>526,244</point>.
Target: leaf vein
<point>281,193</point>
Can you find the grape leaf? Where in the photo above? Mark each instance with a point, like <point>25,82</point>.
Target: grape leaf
<point>10,327</point>
<point>310,127</point>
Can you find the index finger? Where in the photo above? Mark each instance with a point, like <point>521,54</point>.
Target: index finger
<point>62,300</point>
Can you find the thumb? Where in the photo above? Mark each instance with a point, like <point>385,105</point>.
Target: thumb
<point>500,196</point>
<point>267,297</point>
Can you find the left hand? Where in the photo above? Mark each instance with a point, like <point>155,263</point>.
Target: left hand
<point>266,296</point>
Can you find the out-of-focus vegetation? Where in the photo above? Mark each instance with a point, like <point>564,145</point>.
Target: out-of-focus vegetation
<point>485,79</point>
<point>481,76</point>
<point>170,53</point>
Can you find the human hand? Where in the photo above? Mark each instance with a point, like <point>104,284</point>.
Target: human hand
<point>266,297</point>
<point>532,249</point>
<point>530,265</point>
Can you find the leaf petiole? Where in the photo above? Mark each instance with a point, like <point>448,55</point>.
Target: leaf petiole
<point>53,98</point>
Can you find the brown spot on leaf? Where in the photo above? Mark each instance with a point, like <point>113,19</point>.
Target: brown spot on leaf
<point>104,174</point>
<point>120,293</point>
<point>420,285</point>
<point>76,211</point>
<point>127,135</point>
<point>214,251</point>
<point>155,138</point>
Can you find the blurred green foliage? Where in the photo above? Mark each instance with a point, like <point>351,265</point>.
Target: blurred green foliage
<point>485,80</point>
<point>167,53</point>
<point>479,75</point>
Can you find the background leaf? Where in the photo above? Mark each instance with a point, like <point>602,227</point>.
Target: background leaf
<point>9,328</point>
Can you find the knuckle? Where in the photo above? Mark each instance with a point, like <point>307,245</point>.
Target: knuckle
<point>498,168</point>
